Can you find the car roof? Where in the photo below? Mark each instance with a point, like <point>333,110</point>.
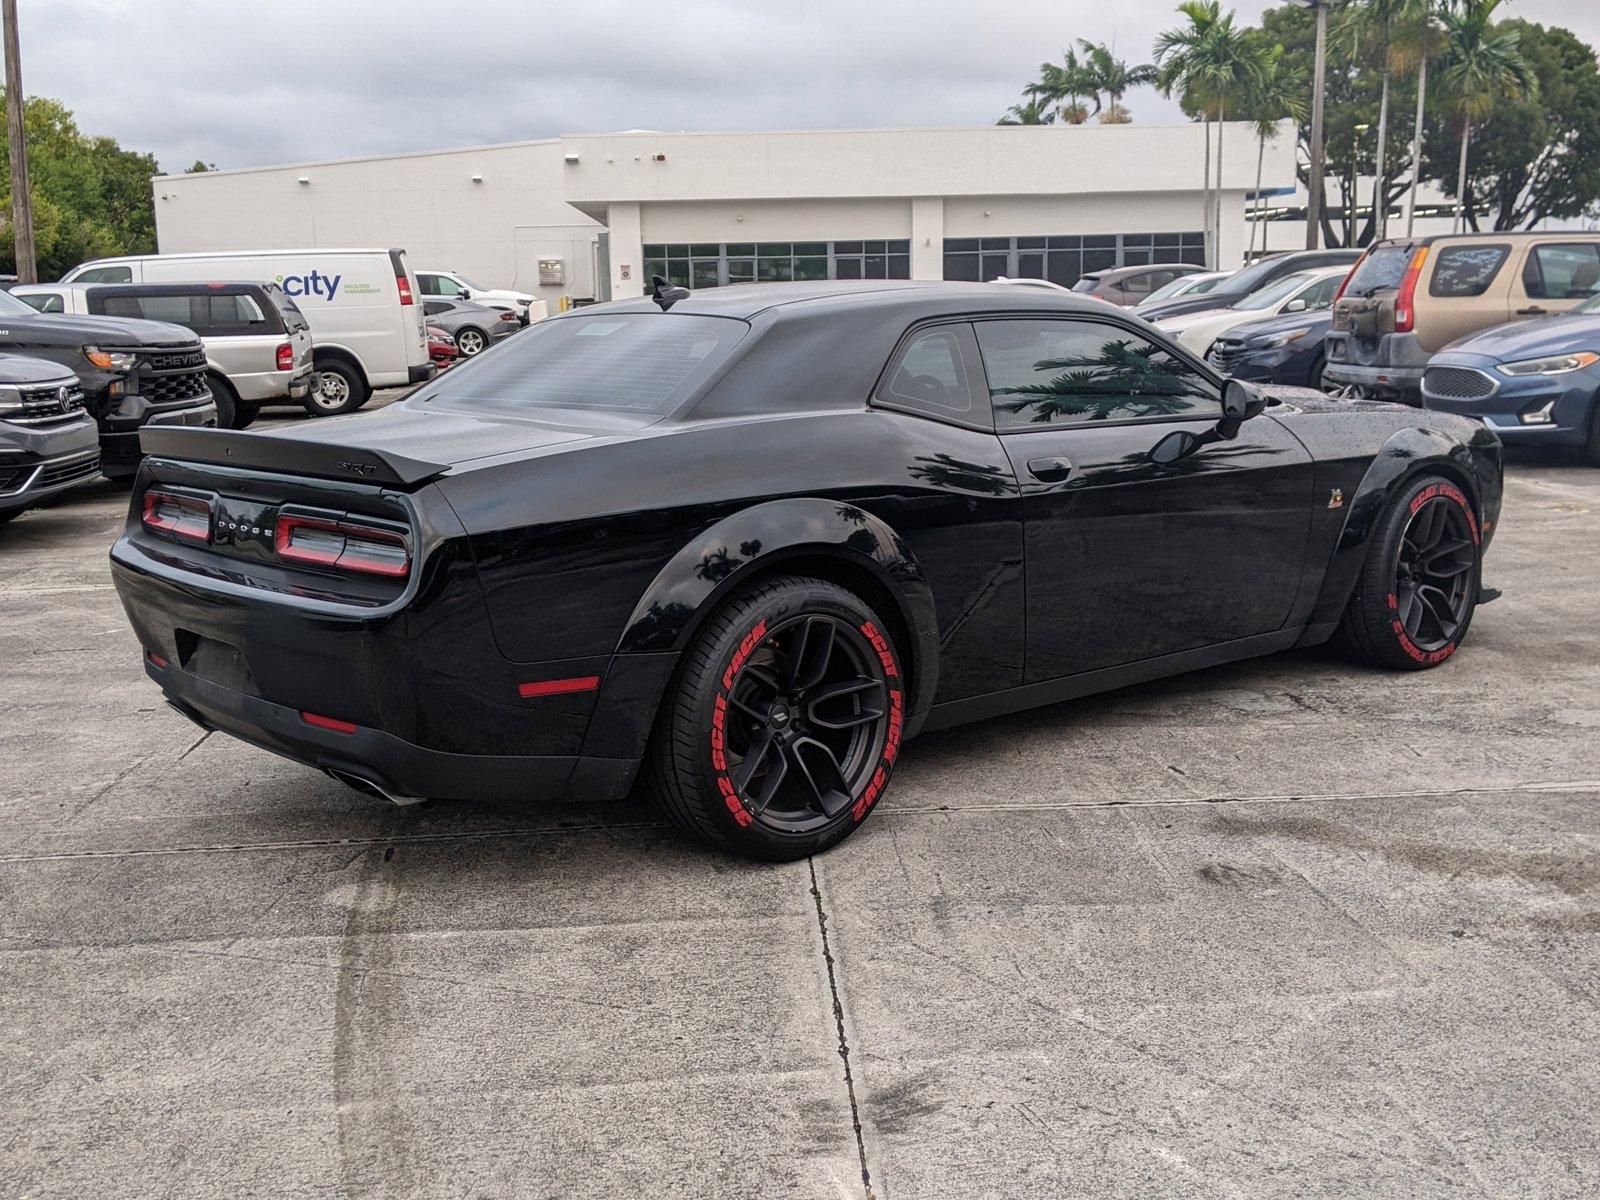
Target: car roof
<point>225,288</point>
<point>918,297</point>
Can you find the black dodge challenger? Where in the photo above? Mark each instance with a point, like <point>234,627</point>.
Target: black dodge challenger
<point>740,545</point>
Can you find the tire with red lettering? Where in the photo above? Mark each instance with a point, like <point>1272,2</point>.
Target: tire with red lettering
<point>1419,586</point>
<point>783,724</point>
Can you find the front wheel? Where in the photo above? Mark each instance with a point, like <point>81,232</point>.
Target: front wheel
<point>783,725</point>
<point>1419,586</point>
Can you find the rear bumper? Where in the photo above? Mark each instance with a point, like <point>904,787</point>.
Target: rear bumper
<point>1391,367</point>
<point>263,387</point>
<point>421,374</point>
<point>383,761</point>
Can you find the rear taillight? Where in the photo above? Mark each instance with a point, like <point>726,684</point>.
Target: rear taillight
<point>1405,312</point>
<point>404,285</point>
<point>180,515</point>
<point>510,316</point>
<point>343,545</point>
<point>286,357</point>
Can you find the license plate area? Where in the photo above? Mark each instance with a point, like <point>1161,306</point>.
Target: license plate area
<point>215,662</point>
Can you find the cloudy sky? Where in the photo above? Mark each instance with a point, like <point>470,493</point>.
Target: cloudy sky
<point>253,82</point>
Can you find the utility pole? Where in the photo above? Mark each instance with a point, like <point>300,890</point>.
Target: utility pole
<point>1318,86</point>
<point>21,201</point>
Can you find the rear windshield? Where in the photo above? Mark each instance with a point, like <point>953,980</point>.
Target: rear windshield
<point>293,319</point>
<point>1380,271</point>
<point>622,362</point>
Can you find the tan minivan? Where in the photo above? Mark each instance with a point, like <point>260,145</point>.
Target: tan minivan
<point>1409,297</point>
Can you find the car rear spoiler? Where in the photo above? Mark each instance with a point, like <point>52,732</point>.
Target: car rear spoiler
<point>288,455</point>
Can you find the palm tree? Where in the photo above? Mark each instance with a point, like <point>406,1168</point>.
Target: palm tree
<point>1207,61</point>
<point>1482,65</point>
<point>1415,37</point>
<point>1109,74</point>
<point>1278,94</point>
<point>1064,85</point>
<point>1372,22</point>
<point>1029,112</point>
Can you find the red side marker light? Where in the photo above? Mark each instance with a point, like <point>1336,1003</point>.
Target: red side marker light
<point>558,687</point>
<point>156,660</point>
<point>329,723</point>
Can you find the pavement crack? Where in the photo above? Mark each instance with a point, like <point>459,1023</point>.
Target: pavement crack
<point>198,742</point>
<point>838,1020</point>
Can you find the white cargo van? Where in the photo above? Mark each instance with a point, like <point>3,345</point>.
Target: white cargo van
<point>362,305</point>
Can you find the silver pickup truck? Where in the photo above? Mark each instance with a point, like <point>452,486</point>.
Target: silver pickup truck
<point>258,345</point>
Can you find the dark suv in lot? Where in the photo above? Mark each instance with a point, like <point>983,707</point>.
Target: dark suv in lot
<point>133,373</point>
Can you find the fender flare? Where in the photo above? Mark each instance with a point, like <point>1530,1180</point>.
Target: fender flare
<point>342,354</point>
<point>759,541</point>
<point>1407,453</point>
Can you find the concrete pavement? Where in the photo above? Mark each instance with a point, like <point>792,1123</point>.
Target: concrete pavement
<point>1285,928</point>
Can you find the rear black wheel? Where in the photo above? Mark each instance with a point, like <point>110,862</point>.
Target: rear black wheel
<point>783,725</point>
<point>335,388</point>
<point>226,400</point>
<point>1419,586</point>
<point>470,340</point>
<point>1591,448</point>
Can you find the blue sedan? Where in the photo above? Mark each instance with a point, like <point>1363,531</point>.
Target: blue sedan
<point>1533,382</point>
<point>1285,349</point>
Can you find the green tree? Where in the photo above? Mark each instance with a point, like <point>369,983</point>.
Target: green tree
<point>1063,85</point>
<point>1207,61</point>
<point>1277,94</point>
<point>91,197</point>
<point>1538,156</point>
<point>1482,66</point>
<point>1029,112</point>
<point>1105,72</point>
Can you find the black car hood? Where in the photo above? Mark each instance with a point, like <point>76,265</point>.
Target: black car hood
<point>1216,298</point>
<point>56,329</point>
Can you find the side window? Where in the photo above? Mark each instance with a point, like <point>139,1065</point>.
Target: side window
<point>427,284</point>
<point>105,275</point>
<point>1569,271</point>
<point>434,307</point>
<point>447,286</point>
<point>935,374</point>
<point>1066,372</point>
<point>1320,295</point>
<point>175,310</point>
<point>45,302</point>
<point>236,315</point>
<point>1466,270</point>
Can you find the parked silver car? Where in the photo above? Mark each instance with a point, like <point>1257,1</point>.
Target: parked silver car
<point>258,345</point>
<point>48,440</point>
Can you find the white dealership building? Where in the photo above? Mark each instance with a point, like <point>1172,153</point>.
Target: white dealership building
<point>594,215</point>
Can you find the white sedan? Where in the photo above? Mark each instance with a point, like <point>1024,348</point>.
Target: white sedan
<point>1304,291</point>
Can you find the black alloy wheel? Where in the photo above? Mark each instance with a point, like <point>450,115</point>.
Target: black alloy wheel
<point>1434,573</point>
<point>782,726</point>
<point>1418,588</point>
<point>808,715</point>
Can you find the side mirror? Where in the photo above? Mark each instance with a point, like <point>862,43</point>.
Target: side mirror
<point>1175,447</point>
<point>463,294</point>
<point>1295,306</point>
<point>1241,401</point>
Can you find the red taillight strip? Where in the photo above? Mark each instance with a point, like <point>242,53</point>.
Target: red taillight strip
<point>346,556</point>
<point>156,660</point>
<point>558,687</point>
<point>196,528</point>
<point>405,287</point>
<point>1405,313</point>
<point>329,723</point>
<point>285,355</point>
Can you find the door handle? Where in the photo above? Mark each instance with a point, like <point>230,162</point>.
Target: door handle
<point>1532,311</point>
<point>1051,470</point>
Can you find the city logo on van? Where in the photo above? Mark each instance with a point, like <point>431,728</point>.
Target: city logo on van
<point>314,284</point>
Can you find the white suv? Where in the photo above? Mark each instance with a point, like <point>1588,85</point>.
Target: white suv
<point>453,285</point>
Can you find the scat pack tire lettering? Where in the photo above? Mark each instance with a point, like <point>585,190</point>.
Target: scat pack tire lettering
<point>1413,651</point>
<point>719,724</point>
<point>891,744</point>
<point>1451,492</point>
